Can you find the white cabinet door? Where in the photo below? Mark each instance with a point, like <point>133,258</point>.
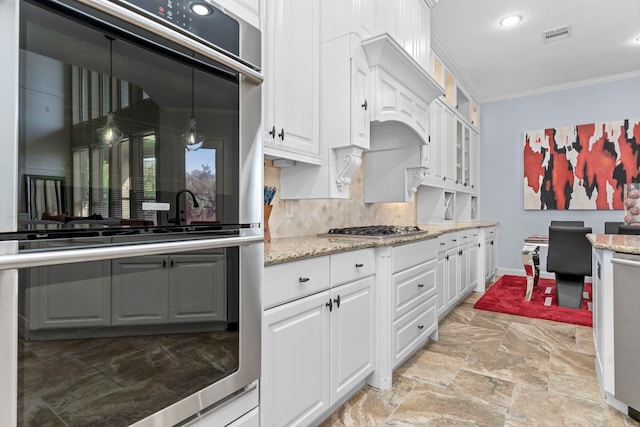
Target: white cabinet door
<point>449,152</point>
<point>340,17</point>
<point>441,283</point>
<point>463,265</point>
<point>474,259</point>
<point>437,141</point>
<point>452,270</point>
<point>474,161</point>
<point>351,335</point>
<point>360,115</point>
<point>295,362</point>
<point>70,295</point>
<point>139,290</point>
<point>197,288</point>
<point>291,58</point>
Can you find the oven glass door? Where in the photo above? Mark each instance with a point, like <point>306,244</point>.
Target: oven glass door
<point>119,129</point>
<point>111,342</point>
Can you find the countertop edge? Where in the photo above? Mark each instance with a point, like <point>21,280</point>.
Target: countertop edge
<point>286,249</point>
<point>625,243</point>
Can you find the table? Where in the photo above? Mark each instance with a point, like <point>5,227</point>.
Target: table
<point>531,261</point>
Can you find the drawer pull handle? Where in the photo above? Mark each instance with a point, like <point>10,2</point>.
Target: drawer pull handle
<point>303,279</point>
<point>330,304</point>
<point>420,285</point>
<point>337,301</point>
<point>420,326</point>
<point>359,265</point>
<point>454,240</point>
<point>442,243</point>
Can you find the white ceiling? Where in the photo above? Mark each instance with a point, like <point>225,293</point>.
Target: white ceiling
<point>500,63</point>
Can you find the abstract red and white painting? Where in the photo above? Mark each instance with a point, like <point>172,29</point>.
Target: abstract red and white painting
<point>581,167</point>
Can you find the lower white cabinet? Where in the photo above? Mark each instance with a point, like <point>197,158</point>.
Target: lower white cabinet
<point>457,268</point>
<point>295,362</point>
<point>319,348</point>
<point>405,305</point>
<point>490,252</point>
<point>168,289</point>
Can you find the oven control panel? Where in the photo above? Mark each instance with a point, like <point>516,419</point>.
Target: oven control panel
<point>196,17</point>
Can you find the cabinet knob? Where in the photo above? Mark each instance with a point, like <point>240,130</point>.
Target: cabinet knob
<point>359,265</point>
<point>272,132</point>
<point>303,279</point>
<point>420,285</point>
<point>330,304</point>
<point>337,301</point>
<point>281,134</point>
<point>420,326</point>
<point>365,105</point>
<point>164,263</point>
<point>478,244</point>
<point>447,257</point>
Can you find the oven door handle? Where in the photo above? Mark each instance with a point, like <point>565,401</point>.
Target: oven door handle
<point>200,46</point>
<point>68,256</point>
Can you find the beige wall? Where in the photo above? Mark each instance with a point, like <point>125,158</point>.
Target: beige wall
<point>319,215</point>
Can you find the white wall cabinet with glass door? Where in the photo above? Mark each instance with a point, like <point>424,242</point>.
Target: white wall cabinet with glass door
<point>291,53</point>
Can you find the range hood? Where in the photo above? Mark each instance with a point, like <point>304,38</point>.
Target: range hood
<point>384,52</point>
<point>402,92</point>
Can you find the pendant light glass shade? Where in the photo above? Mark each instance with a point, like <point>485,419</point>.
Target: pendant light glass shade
<point>109,134</point>
<point>191,139</point>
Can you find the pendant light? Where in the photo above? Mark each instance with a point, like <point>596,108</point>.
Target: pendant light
<point>191,139</point>
<point>109,134</point>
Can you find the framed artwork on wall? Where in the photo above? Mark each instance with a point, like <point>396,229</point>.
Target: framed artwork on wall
<point>581,167</point>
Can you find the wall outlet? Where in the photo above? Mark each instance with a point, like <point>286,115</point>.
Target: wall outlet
<point>288,209</point>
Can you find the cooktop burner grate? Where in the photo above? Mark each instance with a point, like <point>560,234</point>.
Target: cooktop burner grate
<point>374,231</point>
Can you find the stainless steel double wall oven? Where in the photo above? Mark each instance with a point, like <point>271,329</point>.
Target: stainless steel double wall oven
<point>138,223</point>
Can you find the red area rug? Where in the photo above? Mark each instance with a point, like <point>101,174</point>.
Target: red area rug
<point>507,296</point>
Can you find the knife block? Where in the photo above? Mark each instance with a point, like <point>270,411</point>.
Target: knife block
<point>267,214</point>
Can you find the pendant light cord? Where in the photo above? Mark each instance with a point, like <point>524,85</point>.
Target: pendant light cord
<point>111,39</point>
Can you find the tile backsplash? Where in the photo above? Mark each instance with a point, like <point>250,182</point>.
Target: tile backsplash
<point>319,215</point>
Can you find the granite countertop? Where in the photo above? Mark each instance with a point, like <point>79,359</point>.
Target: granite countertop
<point>286,249</point>
<point>625,243</point>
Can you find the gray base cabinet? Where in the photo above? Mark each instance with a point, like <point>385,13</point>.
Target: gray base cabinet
<point>68,296</point>
<point>168,289</point>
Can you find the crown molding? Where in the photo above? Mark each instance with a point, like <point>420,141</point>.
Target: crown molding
<point>565,86</point>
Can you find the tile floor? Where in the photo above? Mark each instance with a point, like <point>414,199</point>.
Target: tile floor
<point>491,369</point>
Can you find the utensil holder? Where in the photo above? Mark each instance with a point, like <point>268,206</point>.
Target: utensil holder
<point>267,231</point>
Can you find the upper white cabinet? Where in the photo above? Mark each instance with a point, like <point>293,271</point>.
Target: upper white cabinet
<point>291,34</point>
<point>345,107</point>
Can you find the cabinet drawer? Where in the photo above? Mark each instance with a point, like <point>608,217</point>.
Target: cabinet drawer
<point>448,241</point>
<point>349,266</point>
<point>490,232</point>
<point>412,330</point>
<point>293,280</point>
<point>413,285</point>
<point>412,254</point>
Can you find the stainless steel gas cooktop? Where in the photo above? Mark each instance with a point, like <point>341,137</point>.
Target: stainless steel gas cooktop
<point>374,232</point>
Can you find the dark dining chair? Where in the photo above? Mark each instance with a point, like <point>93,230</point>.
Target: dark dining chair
<point>569,257</point>
<point>568,223</point>
<point>629,229</point>
<point>612,227</point>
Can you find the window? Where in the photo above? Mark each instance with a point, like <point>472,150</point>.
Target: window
<point>201,172</point>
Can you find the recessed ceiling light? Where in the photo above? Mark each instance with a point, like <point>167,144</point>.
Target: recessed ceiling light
<point>200,9</point>
<point>637,39</point>
<point>510,21</point>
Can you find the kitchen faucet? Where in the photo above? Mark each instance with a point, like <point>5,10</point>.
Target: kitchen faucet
<point>177,220</point>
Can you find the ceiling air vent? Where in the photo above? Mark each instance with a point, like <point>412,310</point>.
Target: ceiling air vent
<point>557,34</point>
